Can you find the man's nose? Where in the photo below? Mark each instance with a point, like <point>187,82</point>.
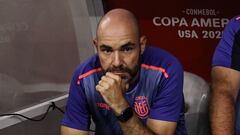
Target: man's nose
<point>117,60</point>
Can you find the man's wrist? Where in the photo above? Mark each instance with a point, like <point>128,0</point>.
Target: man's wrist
<point>125,115</point>
<point>118,109</point>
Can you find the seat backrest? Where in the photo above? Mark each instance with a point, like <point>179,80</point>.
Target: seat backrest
<point>196,93</point>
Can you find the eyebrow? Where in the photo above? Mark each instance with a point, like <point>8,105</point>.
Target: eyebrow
<point>103,46</point>
<point>127,44</point>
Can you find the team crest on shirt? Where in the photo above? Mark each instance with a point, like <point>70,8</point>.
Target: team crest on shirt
<point>141,106</point>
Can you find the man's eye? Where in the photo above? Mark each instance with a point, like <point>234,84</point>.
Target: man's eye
<point>107,51</point>
<point>127,49</point>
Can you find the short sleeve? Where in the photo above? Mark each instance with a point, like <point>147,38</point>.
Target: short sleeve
<point>227,52</point>
<point>76,112</point>
<point>168,102</point>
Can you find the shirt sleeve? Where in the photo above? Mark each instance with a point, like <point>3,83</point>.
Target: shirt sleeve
<point>76,112</point>
<point>227,52</point>
<point>168,103</point>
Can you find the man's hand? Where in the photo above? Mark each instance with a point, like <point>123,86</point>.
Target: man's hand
<point>112,88</point>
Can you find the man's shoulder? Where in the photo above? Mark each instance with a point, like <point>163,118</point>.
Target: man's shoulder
<point>235,20</point>
<point>226,52</point>
<point>159,57</point>
<point>90,64</point>
<point>233,26</point>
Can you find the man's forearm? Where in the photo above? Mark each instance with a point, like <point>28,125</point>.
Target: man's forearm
<point>222,114</point>
<point>134,127</point>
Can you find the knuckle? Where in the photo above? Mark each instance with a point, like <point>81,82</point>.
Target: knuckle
<point>118,78</point>
<point>107,86</point>
<point>112,81</point>
<point>98,88</point>
<point>103,78</point>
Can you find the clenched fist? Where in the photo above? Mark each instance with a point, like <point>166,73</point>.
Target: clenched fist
<point>112,88</point>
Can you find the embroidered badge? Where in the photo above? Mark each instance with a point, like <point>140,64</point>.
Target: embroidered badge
<point>141,106</point>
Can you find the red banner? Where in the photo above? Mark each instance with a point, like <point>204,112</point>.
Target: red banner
<point>190,30</point>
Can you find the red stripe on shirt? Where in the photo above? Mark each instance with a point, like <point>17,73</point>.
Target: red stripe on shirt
<point>156,68</point>
<point>87,74</point>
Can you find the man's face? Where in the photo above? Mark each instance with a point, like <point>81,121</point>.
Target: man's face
<point>119,53</point>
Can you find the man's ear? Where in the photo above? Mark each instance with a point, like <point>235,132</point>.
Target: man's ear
<point>143,41</point>
<point>95,42</point>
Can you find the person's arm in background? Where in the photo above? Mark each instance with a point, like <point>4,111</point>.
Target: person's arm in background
<point>226,80</point>
<point>225,88</point>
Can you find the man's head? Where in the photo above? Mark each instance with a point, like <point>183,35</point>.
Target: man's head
<point>119,44</point>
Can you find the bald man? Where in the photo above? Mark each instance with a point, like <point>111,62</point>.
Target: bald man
<point>126,88</point>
